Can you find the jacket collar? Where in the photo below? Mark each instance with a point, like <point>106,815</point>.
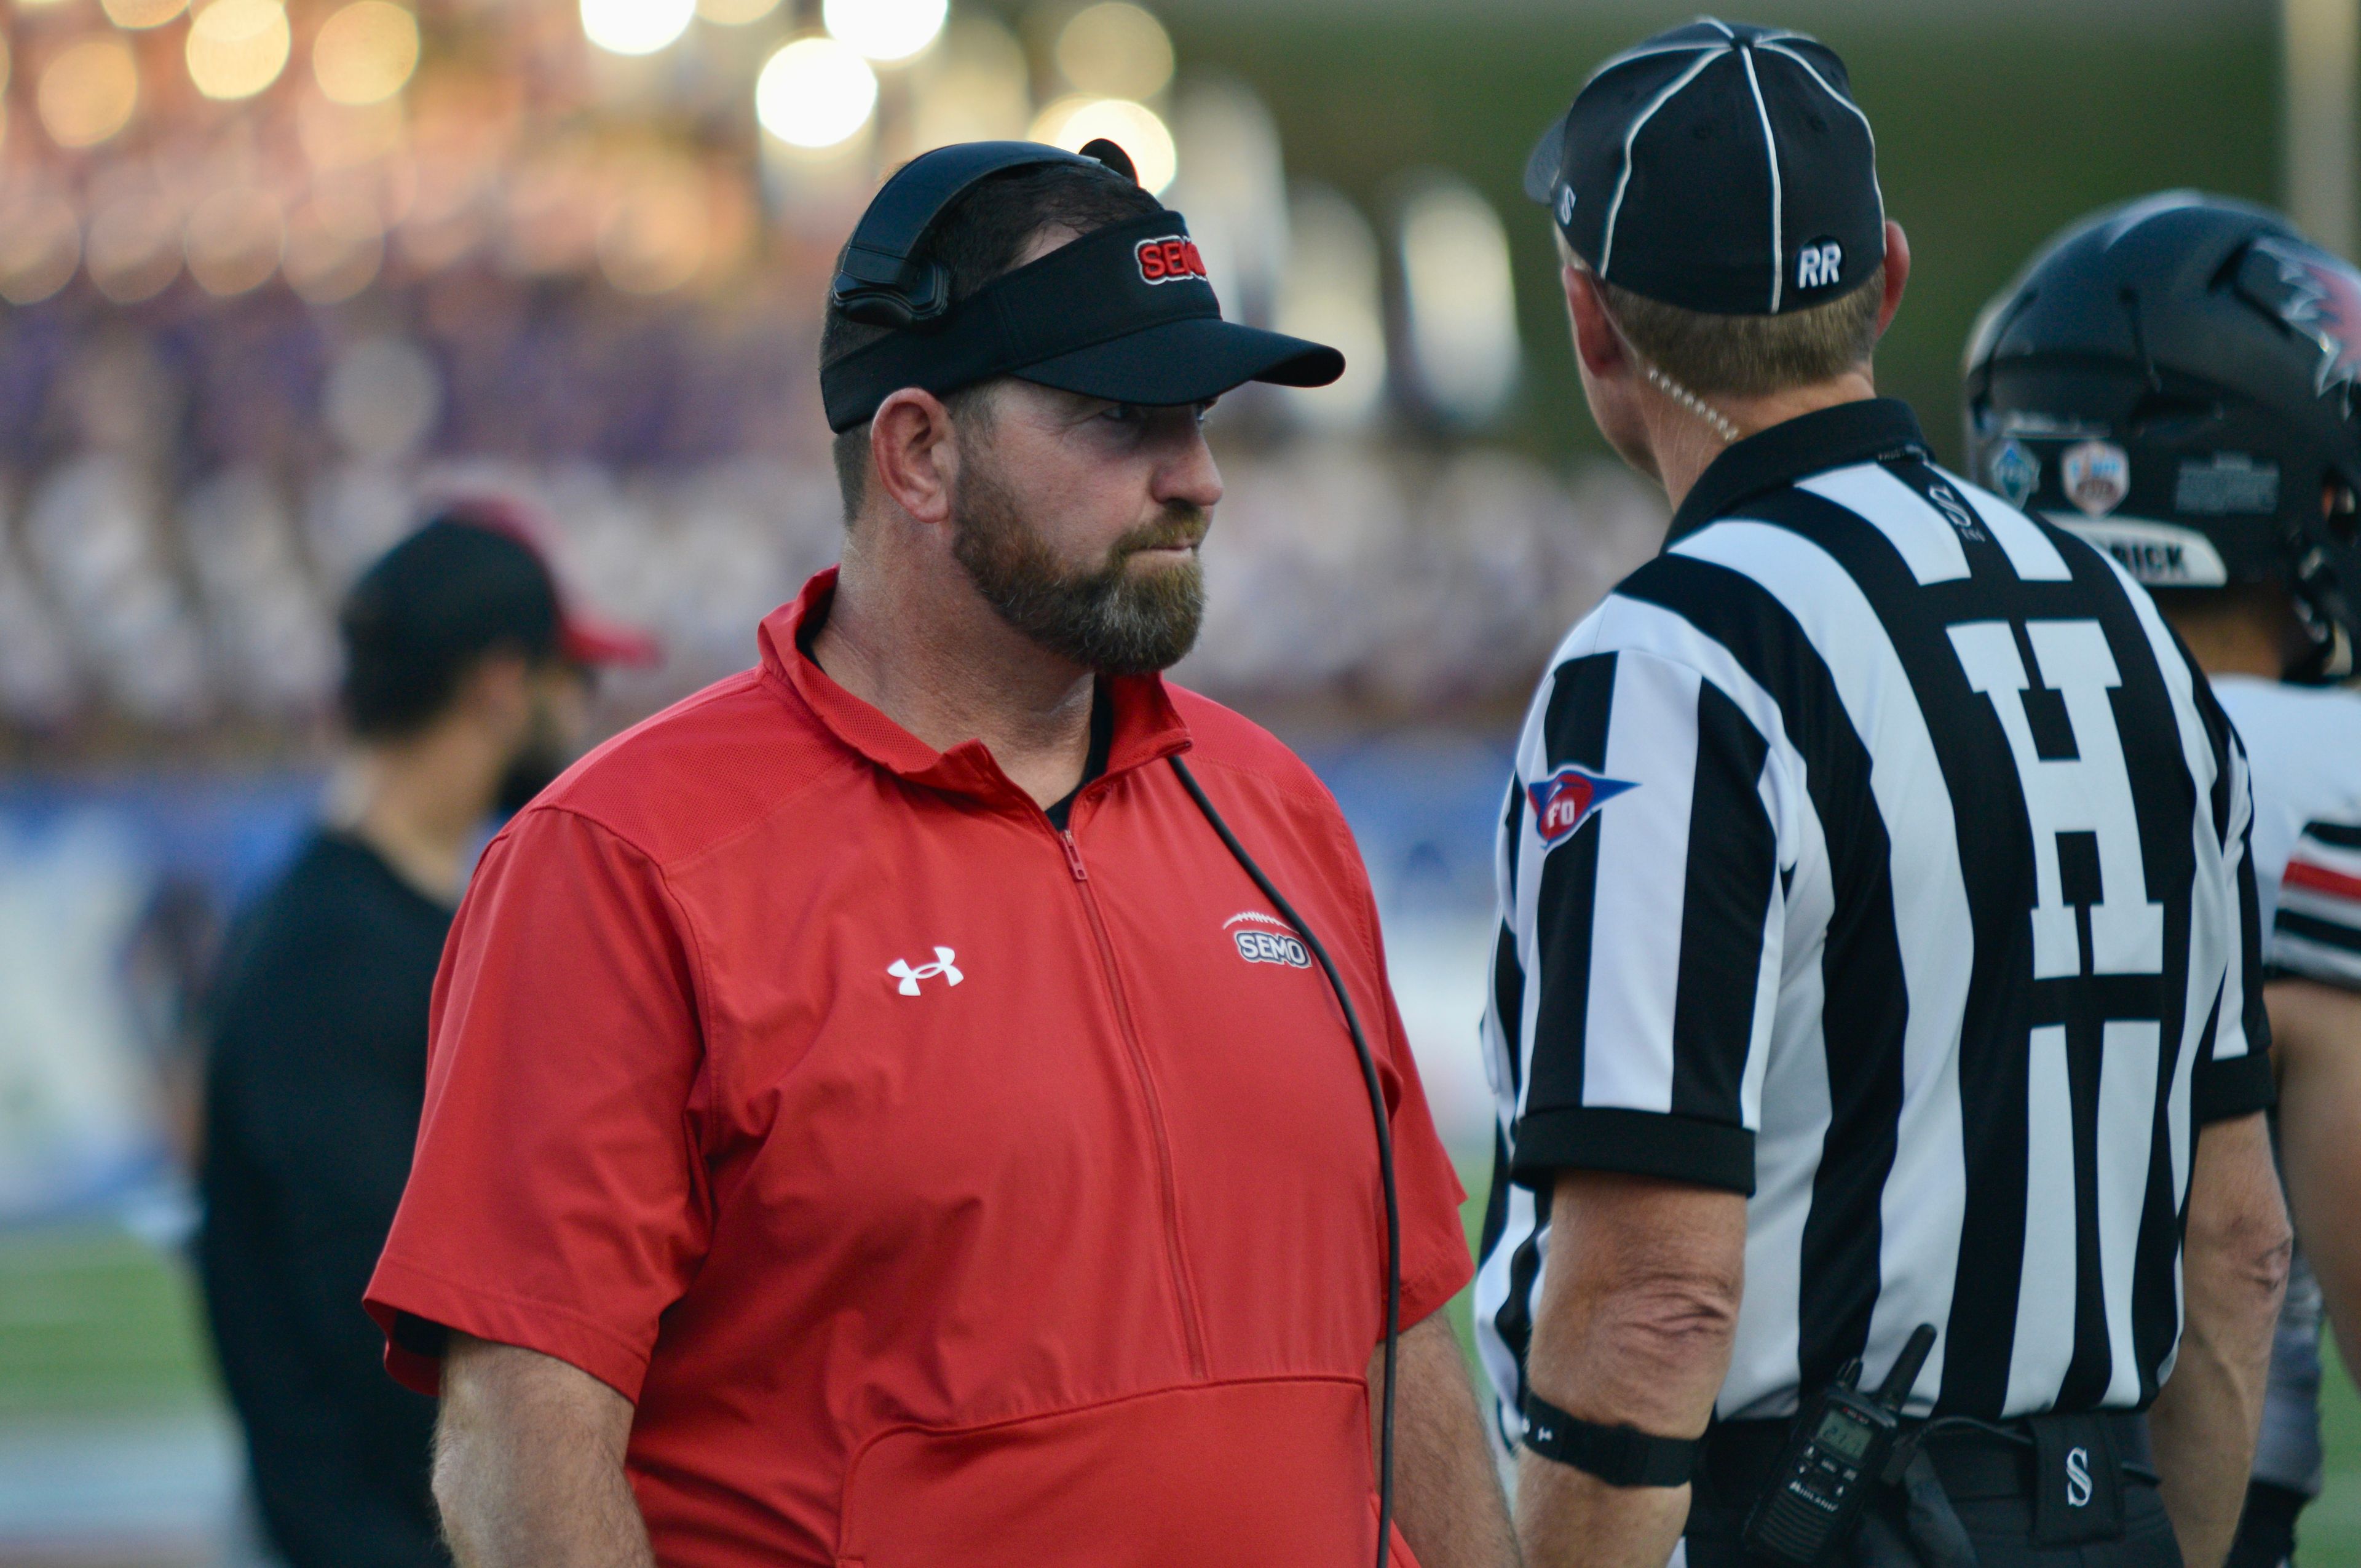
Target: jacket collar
<point>1147,727</point>
<point>1834,437</point>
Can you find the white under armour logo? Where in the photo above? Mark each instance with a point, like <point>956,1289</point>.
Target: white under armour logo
<point>900,969</point>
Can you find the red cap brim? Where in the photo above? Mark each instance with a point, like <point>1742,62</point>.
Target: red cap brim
<point>592,642</point>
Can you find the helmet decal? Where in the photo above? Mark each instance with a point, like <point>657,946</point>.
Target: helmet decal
<point>2322,301</point>
<point>2015,473</point>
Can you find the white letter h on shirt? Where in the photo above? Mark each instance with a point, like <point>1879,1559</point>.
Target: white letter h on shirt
<point>2087,793</point>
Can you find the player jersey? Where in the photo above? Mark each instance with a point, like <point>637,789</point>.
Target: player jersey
<point>2304,743</point>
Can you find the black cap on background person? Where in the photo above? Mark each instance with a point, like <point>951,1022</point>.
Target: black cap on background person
<point>471,581</point>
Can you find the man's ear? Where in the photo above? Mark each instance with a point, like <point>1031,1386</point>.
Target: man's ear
<point>915,453</point>
<point>1898,274</point>
<point>1595,338</point>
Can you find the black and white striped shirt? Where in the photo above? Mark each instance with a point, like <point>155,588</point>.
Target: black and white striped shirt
<point>1877,852</point>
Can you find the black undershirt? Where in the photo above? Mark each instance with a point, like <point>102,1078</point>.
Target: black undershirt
<point>1102,742</point>
<point>317,1076</point>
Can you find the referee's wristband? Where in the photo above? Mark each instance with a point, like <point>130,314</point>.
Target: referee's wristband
<point>1621,1457</point>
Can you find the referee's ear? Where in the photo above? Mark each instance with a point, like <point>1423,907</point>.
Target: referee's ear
<point>1600,346</point>
<point>1898,274</point>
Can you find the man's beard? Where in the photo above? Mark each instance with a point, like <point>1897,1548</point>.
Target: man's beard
<point>1111,620</point>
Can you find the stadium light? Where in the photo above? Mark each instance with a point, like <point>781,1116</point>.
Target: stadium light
<point>238,48</point>
<point>365,51</point>
<point>1461,302</point>
<point>1133,126</point>
<point>141,14</point>
<point>735,12</point>
<point>88,93</point>
<point>886,30</point>
<point>635,26</point>
<point>814,92</point>
<point>1115,49</point>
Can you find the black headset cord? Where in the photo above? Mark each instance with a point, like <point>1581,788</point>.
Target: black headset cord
<point>1385,1149</point>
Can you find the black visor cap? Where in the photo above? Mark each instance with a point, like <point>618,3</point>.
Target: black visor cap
<point>1186,362</point>
<point>1125,313</point>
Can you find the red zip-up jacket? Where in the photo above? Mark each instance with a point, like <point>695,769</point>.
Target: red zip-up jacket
<point>943,1188</point>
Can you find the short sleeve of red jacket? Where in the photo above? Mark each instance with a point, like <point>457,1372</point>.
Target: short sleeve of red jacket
<point>556,1199</point>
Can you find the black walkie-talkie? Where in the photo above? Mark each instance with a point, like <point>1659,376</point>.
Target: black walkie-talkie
<point>1839,1449</point>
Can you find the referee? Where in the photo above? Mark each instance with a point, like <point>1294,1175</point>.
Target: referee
<point>1878,942</point>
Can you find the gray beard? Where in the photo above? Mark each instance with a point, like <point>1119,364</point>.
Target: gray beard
<point>1111,621</point>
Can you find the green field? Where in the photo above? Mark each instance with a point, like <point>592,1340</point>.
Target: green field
<point>93,1322</point>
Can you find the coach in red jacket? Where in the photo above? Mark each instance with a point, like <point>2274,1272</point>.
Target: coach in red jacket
<point>873,1120</point>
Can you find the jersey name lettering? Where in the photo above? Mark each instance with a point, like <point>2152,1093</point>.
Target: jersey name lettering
<point>2087,793</point>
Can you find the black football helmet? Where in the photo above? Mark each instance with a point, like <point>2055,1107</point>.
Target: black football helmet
<point>2174,380</point>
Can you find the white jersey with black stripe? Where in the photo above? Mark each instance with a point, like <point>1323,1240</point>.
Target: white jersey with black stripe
<point>1877,852</point>
<point>2304,744</point>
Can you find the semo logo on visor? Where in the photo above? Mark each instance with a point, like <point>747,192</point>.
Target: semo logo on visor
<point>1171,260</point>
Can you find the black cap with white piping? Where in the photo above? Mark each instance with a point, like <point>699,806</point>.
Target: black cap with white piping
<point>1720,167</point>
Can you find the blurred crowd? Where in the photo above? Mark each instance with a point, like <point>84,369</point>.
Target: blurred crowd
<point>177,529</point>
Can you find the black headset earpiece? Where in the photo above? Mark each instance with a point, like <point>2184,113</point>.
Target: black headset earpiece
<point>876,283</point>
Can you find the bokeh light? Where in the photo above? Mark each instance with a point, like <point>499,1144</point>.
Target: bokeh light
<point>366,52</point>
<point>1330,294</point>
<point>88,92</point>
<point>1234,188</point>
<point>973,88</point>
<point>133,250</point>
<point>234,240</point>
<point>238,48</point>
<point>1115,50</point>
<point>383,396</point>
<point>40,246</point>
<point>657,234</point>
<point>815,93</point>
<point>886,30</point>
<point>340,136</point>
<point>1133,126</point>
<point>1459,299</point>
<point>334,247</point>
<point>635,26</point>
<point>7,62</point>
<point>735,12</point>
<point>138,13</point>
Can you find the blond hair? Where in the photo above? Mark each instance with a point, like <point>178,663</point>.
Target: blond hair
<point>1746,357</point>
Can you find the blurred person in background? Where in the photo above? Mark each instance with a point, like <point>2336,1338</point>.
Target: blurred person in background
<point>1876,991</point>
<point>2208,434</point>
<point>876,1116</point>
<point>464,692</point>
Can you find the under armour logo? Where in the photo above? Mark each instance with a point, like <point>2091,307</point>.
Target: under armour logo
<point>2078,1477</point>
<point>900,969</point>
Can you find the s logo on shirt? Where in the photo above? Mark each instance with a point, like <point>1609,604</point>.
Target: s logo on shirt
<point>1569,798</point>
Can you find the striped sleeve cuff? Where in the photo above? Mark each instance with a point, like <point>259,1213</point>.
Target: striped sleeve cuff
<point>1633,1143</point>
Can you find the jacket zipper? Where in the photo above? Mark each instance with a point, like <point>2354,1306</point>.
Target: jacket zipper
<point>1192,1330</point>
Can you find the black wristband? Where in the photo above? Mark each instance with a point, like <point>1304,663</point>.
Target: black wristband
<point>1621,1457</point>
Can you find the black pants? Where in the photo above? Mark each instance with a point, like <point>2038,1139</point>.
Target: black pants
<point>1988,1481</point>
<point>2266,1529</point>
